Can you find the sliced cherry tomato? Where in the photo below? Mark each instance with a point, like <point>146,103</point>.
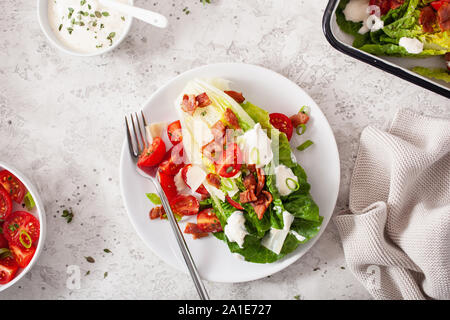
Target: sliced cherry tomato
<point>184,205</point>
<point>153,154</point>
<point>173,161</point>
<point>5,203</point>
<point>438,4</point>
<point>207,221</point>
<point>168,185</point>
<point>3,241</point>
<point>23,256</point>
<point>8,269</point>
<point>15,188</point>
<point>282,123</point>
<point>231,161</point>
<point>174,132</point>
<point>235,204</point>
<point>202,190</point>
<point>21,229</point>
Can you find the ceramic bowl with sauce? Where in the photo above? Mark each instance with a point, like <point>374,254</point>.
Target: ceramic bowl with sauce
<point>82,27</point>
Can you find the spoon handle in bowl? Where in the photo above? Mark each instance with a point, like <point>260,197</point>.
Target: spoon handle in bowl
<point>148,16</point>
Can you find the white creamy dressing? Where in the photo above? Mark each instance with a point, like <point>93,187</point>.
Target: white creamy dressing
<point>85,25</point>
<point>256,146</point>
<point>235,228</point>
<point>283,176</point>
<point>411,45</point>
<point>360,11</point>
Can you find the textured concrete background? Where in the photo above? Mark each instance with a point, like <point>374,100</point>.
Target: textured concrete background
<point>61,123</point>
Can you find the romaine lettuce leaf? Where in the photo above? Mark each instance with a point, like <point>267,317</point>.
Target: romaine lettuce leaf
<point>440,74</point>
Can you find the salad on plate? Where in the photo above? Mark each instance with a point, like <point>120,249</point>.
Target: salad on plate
<point>227,169</point>
<point>400,28</point>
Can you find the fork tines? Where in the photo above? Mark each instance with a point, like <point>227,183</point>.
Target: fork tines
<point>137,140</point>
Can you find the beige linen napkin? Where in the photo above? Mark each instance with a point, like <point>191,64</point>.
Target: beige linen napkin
<point>396,237</point>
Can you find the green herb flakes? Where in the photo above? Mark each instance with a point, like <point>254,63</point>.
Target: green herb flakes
<point>68,215</point>
<point>90,259</point>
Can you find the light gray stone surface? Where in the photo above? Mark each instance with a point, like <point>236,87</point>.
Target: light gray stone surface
<point>61,123</point>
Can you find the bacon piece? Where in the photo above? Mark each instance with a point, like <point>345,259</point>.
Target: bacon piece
<point>251,167</point>
<point>261,180</point>
<point>231,118</point>
<point>248,196</point>
<point>249,182</point>
<point>203,100</point>
<point>396,3</point>
<point>212,150</point>
<point>192,228</point>
<point>298,119</point>
<point>218,131</point>
<point>157,212</point>
<point>262,203</point>
<point>384,5</point>
<point>443,16</point>
<point>189,103</point>
<point>213,179</point>
<point>237,96</point>
<point>427,19</point>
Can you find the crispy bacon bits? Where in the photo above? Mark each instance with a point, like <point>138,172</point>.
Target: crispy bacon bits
<point>212,150</point>
<point>157,212</point>
<point>231,119</point>
<point>262,203</point>
<point>237,96</point>
<point>213,179</point>
<point>261,180</point>
<point>247,196</point>
<point>191,102</point>
<point>443,16</point>
<point>197,233</point>
<point>218,131</point>
<point>427,19</point>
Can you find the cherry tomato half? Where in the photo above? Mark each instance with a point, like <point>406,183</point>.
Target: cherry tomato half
<point>231,161</point>
<point>173,160</point>
<point>153,154</point>
<point>201,189</point>
<point>168,185</point>
<point>15,188</point>
<point>174,132</point>
<point>207,221</point>
<point>21,229</point>
<point>3,241</point>
<point>5,203</point>
<point>22,255</point>
<point>282,123</point>
<point>8,269</point>
<point>184,205</point>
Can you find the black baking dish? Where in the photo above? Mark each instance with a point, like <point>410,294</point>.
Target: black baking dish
<point>396,66</point>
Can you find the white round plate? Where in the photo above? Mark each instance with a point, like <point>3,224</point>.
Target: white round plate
<point>274,93</point>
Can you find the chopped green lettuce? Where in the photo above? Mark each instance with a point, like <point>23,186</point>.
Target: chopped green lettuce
<point>440,74</point>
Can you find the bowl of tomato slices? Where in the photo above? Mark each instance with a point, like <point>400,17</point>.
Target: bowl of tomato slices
<point>22,225</point>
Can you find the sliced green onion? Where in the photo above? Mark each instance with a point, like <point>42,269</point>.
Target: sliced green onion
<point>304,109</point>
<point>154,198</point>
<point>227,184</point>
<point>4,252</point>
<point>254,155</point>
<point>297,186</point>
<point>29,201</point>
<point>301,126</point>
<point>25,244</point>
<point>305,145</point>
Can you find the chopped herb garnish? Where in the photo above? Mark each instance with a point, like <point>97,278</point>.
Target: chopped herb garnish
<point>123,18</point>
<point>105,13</point>
<point>88,272</point>
<point>89,7</point>
<point>98,14</point>
<point>70,13</point>
<point>203,113</point>
<point>68,215</point>
<point>99,45</point>
<point>90,259</point>
<point>60,27</point>
<point>107,250</point>
<point>305,145</point>
<point>110,37</point>
<point>82,2</point>
<point>105,275</point>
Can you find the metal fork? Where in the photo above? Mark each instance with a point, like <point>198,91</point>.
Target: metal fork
<point>139,136</point>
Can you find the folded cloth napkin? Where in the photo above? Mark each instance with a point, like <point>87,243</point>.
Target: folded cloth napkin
<point>396,234</point>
